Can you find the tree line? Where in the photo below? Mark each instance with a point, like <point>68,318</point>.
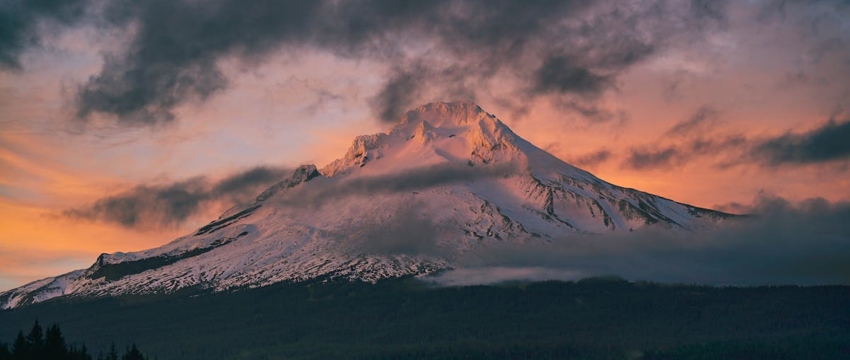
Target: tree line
<point>602,318</point>
<point>50,344</point>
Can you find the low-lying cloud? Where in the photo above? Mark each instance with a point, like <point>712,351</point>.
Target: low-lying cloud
<point>317,193</point>
<point>406,232</point>
<point>148,207</point>
<point>170,205</point>
<point>781,243</point>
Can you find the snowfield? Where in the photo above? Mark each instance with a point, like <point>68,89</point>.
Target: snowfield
<point>447,180</point>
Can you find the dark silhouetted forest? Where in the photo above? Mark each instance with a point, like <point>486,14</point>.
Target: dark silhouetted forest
<point>605,318</point>
<point>50,344</point>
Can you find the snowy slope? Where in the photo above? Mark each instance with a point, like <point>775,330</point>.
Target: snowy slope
<point>448,179</point>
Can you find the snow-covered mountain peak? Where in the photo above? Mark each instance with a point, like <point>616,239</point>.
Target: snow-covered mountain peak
<point>454,132</point>
<point>451,119</point>
<point>448,179</point>
<point>302,173</point>
<point>442,114</point>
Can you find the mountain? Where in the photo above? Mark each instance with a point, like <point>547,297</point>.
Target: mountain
<point>448,179</point>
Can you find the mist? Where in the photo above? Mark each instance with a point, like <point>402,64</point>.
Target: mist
<point>321,190</point>
<point>163,206</point>
<point>805,243</point>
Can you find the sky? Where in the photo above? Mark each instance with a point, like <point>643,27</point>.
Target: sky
<point>125,124</point>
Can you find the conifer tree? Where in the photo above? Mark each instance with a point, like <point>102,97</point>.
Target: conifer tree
<point>5,354</point>
<point>113,354</point>
<point>54,343</point>
<point>35,342</point>
<point>20,348</point>
<point>133,353</point>
<point>82,354</point>
<point>51,345</point>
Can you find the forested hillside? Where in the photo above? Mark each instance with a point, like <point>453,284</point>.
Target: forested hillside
<point>39,344</point>
<point>405,318</point>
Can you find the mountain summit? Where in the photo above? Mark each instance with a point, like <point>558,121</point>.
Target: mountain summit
<point>448,179</point>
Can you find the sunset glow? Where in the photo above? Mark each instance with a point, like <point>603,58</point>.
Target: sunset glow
<point>713,104</point>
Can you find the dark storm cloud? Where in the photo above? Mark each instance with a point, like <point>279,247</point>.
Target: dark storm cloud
<point>699,120</point>
<point>830,142</point>
<point>172,57</point>
<point>559,75</point>
<point>712,9</point>
<point>162,206</point>
<point>552,48</point>
<point>19,20</point>
<point>398,93</point>
<point>781,243</point>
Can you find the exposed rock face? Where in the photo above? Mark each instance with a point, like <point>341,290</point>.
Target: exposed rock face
<point>304,173</point>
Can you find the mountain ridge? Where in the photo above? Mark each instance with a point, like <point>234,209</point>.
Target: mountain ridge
<point>448,179</point>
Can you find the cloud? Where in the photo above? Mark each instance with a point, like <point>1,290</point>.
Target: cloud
<point>560,75</point>
<point>711,9</point>
<point>406,232</point>
<point>664,156</point>
<point>703,117</point>
<point>165,206</point>
<point>400,90</point>
<point>547,48</point>
<point>687,143</point>
<point>825,144</point>
<point>170,205</point>
<point>500,274</point>
<point>244,184</point>
<point>570,52</point>
<point>830,142</point>
<point>733,207</point>
<point>319,192</point>
<point>594,158</point>
<point>781,243</point>
<point>642,159</point>
<point>19,22</point>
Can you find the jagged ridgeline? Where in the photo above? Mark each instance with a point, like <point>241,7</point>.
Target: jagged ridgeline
<point>448,179</point>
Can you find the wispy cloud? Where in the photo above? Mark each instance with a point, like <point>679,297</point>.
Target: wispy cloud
<point>21,20</point>
<point>648,158</point>
<point>703,117</point>
<point>319,192</point>
<point>830,142</point>
<point>661,156</point>
<point>153,207</point>
<point>593,158</point>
